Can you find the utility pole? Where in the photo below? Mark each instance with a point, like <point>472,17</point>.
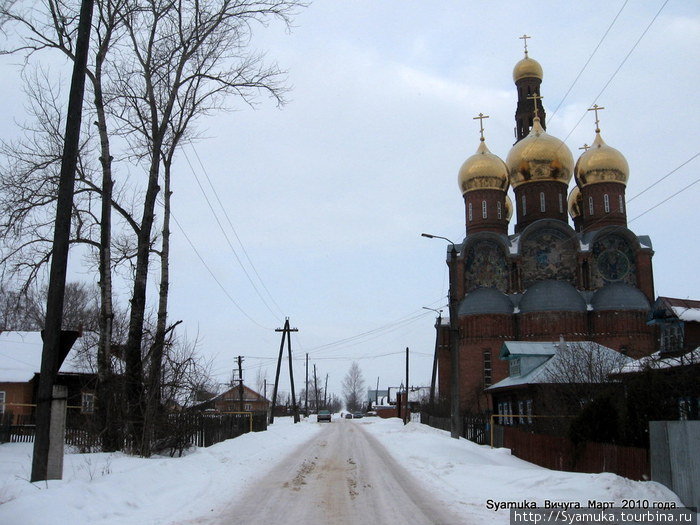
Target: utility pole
<point>325,394</point>
<point>306,390</point>
<point>405,412</point>
<point>438,325</point>
<point>50,359</point>
<point>376,393</point>
<point>277,373</point>
<point>240,383</point>
<point>315,387</point>
<point>295,409</point>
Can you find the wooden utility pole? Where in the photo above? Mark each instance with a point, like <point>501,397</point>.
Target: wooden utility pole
<point>325,394</point>
<point>286,333</point>
<point>306,390</point>
<point>315,387</point>
<point>438,325</point>
<point>376,393</point>
<point>240,383</point>
<point>50,359</point>
<point>277,373</point>
<point>295,408</point>
<point>405,410</point>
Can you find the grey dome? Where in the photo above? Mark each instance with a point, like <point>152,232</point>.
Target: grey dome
<point>485,301</point>
<point>619,296</point>
<point>552,296</point>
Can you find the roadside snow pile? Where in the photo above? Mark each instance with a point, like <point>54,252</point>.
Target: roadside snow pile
<point>472,479</point>
<point>111,489</point>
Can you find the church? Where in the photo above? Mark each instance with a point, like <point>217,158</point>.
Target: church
<point>585,279</point>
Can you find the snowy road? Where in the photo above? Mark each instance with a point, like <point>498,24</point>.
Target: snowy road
<point>342,475</point>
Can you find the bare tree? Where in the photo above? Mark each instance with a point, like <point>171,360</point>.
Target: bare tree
<point>353,385</point>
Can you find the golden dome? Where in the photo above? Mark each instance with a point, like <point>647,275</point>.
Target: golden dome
<point>527,68</point>
<point>509,208</point>
<point>539,157</point>
<point>483,171</point>
<point>601,163</point>
<point>575,203</point>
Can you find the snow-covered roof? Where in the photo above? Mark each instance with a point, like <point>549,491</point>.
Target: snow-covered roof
<point>686,310</point>
<point>657,360</point>
<point>544,372</point>
<point>20,357</point>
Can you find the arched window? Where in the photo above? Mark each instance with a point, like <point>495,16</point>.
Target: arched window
<point>524,206</point>
<point>590,205</point>
<point>622,204</point>
<point>470,211</point>
<point>606,203</point>
<point>561,203</point>
<point>483,209</point>
<point>542,207</point>
<point>499,210</point>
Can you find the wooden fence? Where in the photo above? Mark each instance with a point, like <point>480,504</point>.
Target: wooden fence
<point>474,427</point>
<point>560,453</point>
<point>176,432</point>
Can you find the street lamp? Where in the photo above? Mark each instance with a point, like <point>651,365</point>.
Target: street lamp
<point>455,418</point>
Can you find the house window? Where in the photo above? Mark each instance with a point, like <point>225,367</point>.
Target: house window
<point>606,203</point>
<point>514,367</point>
<point>2,402</point>
<point>590,205</point>
<point>521,411</point>
<point>248,407</point>
<point>684,408</point>
<point>561,203</point>
<point>524,206</point>
<point>622,204</point>
<point>487,368</point>
<point>542,207</point>
<point>499,210</point>
<point>528,404</point>
<point>470,211</point>
<point>483,209</point>
<point>87,403</point>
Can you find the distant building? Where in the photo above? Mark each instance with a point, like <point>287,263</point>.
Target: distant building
<point>230,401</point>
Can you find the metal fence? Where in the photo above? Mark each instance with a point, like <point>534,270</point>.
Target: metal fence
<point>474,427</point>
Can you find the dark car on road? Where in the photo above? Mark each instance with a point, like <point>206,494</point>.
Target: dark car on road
<point>358,415</point>
<point>324,415</point>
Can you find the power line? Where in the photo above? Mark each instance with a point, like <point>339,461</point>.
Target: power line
<point>589,59</point>
<point>240,309</point>
<point>228,219</point>
<point>228,241</point>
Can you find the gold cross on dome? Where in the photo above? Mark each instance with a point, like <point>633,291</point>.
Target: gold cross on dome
<point>596,108</point>
<point>481,118</point>
<point>585,147</point>
<point>535,98</point>
<point>524,39</point>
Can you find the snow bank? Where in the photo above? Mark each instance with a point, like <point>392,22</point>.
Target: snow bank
<point>465,476</point>
<point>111,489</point>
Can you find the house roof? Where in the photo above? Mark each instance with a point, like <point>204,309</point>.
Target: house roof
<point>657,361</point>
<point>20,357</point>
<point>542,373</point>
<point>684,309</point>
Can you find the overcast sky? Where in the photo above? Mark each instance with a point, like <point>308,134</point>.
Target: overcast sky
<point>329,195</point>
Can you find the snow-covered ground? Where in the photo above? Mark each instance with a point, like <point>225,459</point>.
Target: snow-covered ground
<point>112,489</point>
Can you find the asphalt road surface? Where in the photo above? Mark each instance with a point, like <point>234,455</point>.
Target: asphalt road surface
<point>341,476</point>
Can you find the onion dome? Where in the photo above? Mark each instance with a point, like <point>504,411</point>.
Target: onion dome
<point>509,208</point>
<point>539,157</point>
<point>575,203</point>
<point>527,68</point>
<point>483,171</point>
<point>601,163</point>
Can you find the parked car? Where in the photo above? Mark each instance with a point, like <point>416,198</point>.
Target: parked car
<point>348,416</point>
<point>358,415</point>
<point>323,415</point>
